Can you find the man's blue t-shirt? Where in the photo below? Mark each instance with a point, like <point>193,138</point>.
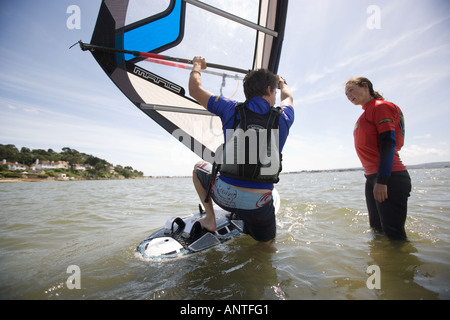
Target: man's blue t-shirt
<point>225,109</point>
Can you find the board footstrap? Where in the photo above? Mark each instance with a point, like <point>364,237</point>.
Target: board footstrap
<point>170,224</point>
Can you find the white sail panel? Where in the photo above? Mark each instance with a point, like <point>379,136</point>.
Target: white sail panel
<point>203,128</point>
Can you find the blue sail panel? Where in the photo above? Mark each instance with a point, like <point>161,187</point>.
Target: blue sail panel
<point>156,34</point>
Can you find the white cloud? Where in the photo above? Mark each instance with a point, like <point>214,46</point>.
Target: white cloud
<point>415,154</point>
<point>426,136</point>
<point>327,152</point>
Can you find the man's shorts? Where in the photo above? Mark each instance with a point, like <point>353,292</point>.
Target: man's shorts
<point>255,209</point>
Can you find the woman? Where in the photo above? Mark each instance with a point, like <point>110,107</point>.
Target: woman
<point>379,134</point>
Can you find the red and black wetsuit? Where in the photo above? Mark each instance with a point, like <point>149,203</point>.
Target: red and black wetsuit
<point>379,135</point>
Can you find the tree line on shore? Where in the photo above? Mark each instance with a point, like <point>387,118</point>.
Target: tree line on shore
<point>98,168</point>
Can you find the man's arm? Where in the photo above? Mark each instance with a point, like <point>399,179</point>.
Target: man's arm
<point>195,82</point>
<point>285,94</point>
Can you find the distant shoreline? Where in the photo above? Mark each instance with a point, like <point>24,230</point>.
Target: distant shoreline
<point>17,180</point>
<point>433,165</point>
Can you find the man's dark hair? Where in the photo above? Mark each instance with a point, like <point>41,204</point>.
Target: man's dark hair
<point>257,81</point>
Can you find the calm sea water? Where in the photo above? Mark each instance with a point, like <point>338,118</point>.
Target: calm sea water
<point>323,248</point>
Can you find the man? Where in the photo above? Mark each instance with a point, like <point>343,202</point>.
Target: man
<point>249,198</point>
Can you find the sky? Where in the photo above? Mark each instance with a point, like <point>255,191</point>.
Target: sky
<point>52,97</point>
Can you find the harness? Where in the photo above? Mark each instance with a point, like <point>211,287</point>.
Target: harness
<point>250,142</point>
<point>251,153</point>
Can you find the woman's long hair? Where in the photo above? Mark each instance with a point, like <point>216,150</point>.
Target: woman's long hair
<point>360,81</point>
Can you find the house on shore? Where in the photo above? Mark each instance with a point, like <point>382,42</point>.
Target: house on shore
<point>82,167</point>
<point>49,165</point>
<point>14,165</point>
<point>40,166</point>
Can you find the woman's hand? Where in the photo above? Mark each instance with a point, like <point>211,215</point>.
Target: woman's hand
<point>380,192</point>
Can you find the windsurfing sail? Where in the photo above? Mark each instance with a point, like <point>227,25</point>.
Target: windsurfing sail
<point>134,42</point>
